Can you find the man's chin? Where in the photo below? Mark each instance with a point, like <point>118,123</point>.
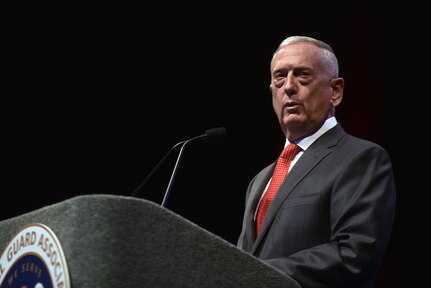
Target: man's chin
<point>293,121</point>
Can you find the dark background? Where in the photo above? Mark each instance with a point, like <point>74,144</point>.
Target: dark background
<point>95,96</point>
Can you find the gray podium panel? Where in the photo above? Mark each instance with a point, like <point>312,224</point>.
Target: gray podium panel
<point>119,241</point>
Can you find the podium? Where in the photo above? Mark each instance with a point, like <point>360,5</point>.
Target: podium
<point>120,241</point>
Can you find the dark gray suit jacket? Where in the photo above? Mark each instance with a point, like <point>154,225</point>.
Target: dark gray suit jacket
<point>331,220</point>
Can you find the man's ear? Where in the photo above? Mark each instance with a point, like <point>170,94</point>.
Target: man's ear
<point>337,85</point>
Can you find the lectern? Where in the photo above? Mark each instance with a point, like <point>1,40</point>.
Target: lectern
<point>120,241</point>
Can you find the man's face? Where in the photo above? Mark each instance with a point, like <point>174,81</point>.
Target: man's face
<point>301,89</point>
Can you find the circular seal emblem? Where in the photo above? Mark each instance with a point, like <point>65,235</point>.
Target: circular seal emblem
<point>34,259</point>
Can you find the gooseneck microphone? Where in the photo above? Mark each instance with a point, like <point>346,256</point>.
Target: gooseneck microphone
<point>210,135</point>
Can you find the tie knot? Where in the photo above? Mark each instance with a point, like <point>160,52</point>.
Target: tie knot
<point>290,151</point>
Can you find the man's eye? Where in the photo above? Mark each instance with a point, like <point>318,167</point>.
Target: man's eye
<point>279,76</point>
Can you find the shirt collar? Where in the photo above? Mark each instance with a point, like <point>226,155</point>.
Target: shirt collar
<point>304,143</point>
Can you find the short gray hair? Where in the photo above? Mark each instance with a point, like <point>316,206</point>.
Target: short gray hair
<point>326,52</point>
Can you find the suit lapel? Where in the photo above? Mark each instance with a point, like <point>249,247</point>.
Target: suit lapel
<point>256,189</point>
<point>311,157</point>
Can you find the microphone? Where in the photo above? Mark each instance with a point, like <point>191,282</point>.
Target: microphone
<point>209,135</point>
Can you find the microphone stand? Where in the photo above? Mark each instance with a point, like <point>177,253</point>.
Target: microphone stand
<point>174,172</point>
<point>210,134</point>
<point>154,170</point>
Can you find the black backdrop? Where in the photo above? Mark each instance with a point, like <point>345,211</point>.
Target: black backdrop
<point>94,96</point>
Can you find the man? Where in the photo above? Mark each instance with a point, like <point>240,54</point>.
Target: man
<point>330,221</point>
